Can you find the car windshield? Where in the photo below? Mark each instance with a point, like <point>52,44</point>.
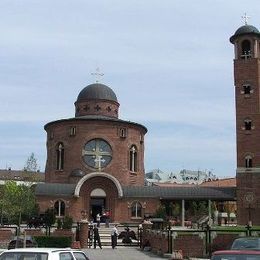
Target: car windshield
<point>80,256</point>
<point>236,257</point>
<point>245,243</point>
<point>23,256</point>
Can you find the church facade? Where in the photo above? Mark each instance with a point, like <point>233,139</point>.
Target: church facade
<point>95,160</point>
<point>92,156</point>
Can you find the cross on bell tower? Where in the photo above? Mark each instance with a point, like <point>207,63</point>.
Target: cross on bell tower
<point>245,18</point>
<point>97,74</point>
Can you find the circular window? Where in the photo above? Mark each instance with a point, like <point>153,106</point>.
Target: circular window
<point>97,153</point>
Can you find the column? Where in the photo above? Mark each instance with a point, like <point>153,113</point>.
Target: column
<point>83,234</point>
<point>182,212</point>
<point>209,212</point>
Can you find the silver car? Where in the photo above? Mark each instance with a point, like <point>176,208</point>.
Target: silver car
<point>43,254</point>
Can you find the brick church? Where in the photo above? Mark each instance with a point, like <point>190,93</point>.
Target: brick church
<point>95,160</point>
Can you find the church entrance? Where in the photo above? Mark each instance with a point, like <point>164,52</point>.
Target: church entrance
<point>97,203</point>
<point>97,206</point>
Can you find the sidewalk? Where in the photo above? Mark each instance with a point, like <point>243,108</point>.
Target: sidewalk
<point>122,253</point>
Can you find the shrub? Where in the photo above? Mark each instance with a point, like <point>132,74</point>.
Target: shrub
<point>56,242</point>
<point>67,222</point>
<point>59,223</point>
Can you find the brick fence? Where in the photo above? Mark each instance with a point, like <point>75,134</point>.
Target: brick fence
<point>5,237</point>
<point>192,243</point>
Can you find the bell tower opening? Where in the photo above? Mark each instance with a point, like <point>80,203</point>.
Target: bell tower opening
<point>246,49</point>
<point>97,203</point>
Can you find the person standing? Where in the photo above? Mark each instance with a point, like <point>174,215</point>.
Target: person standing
<point>96,237</point>
<point>114,235</point>
<point>107,218</point>
<point>98,219</point>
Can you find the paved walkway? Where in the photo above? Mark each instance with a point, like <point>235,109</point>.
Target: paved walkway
<point>125,253</point>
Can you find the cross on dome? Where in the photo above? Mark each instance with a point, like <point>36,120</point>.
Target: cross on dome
<point>97,74</point>
<point>245,17</point>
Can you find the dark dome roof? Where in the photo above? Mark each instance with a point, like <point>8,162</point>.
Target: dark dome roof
<point>245,29</point>
<point>97,91</point>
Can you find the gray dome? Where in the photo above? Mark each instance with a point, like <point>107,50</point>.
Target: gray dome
<point>245,29</point>
<point>97,91</point>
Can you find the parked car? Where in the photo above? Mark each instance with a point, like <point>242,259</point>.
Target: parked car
<point>246,243</point>
<point>18,242</point>
<point>236,255</point>
<point>43,254</point>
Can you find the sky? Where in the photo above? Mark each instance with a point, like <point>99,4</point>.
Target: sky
<point>169,62</point>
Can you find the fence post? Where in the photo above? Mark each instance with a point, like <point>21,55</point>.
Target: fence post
<point>208,235</point>
<point>248,230</point>
<point>169,240</point>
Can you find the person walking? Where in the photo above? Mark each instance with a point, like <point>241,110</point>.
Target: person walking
<point>114,235</point>
<point>96,237</point>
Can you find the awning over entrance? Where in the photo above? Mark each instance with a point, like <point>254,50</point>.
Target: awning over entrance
<point>54,189</point>
<point>212,193</point>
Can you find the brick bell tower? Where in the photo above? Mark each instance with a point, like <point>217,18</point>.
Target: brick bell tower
<point>246,42</point>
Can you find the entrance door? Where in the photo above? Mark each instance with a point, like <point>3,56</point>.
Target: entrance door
<point>97,206</point>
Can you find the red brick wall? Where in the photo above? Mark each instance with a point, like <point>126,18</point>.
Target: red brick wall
<point>123,208</point>
<point>223,241</point>
<point>120,208</point>
<point>191,245</point>
<point>34,232</point>
<point>157,240</point>
<point>85,131</point>
<point>5,237</point>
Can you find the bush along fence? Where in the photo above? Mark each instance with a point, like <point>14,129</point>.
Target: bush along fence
<point>193,243</point>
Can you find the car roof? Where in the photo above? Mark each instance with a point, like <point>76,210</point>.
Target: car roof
<point>237,252</point>
<point>22,237</point>
<point>43,249</point>
<point>248,238</point>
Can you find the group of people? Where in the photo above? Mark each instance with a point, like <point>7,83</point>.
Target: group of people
<point>96,236</point>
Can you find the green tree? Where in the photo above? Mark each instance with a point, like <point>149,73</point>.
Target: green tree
<point>31,164</point>
<point>49,219</point>
<point>161,212</point>
<point>18,201</point>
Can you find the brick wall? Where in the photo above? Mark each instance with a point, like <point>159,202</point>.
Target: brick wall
<point>87,130</point>
<point>191,245</point>
<point>5,236</point>
<point>223,241</point>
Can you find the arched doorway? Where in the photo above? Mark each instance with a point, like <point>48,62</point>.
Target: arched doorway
<point>97,203</point>
<point>99,192</point>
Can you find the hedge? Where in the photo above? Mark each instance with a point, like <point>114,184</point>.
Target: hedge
<point>59,242</point>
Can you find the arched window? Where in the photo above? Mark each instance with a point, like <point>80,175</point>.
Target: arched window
<point>59,208</point>
<point>136,210</point>
<point>247,89</point>
<point>248,161</point>
<point>246,49</point>
<point>133,159</point>
<point>248,124</point>
<point>60,157</point>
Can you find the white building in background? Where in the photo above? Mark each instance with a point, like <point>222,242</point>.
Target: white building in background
<point>183,177</point>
